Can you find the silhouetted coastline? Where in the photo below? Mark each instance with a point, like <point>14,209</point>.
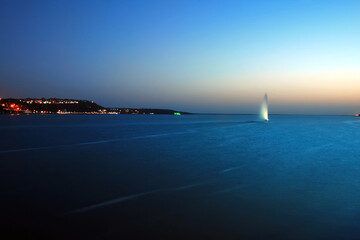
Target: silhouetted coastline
<point>70,106</point>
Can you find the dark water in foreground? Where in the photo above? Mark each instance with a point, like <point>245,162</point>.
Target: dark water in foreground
<point>184,177</point>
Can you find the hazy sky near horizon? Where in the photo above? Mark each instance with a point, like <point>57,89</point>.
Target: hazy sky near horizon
<point>200,56</point>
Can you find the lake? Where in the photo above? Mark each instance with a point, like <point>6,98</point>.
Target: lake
<point>179,177</point>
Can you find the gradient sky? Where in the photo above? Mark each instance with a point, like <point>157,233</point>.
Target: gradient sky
<point>199,56</point>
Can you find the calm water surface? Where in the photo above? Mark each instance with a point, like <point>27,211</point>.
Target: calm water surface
<point>180,177</point>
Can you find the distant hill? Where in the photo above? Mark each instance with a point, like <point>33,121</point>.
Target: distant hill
<point>69,106</point>
<point>49,105</point>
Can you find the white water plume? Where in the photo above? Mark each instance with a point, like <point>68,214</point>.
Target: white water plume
<point>264,110</point>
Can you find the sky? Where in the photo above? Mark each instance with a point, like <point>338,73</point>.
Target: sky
<point>198,56</point>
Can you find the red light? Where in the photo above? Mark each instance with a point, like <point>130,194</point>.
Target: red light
<point>12,105</point>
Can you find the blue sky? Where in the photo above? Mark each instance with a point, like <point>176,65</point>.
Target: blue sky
<point>201,56</point>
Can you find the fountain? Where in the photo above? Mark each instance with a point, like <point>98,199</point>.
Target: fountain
<point>264,111</point>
